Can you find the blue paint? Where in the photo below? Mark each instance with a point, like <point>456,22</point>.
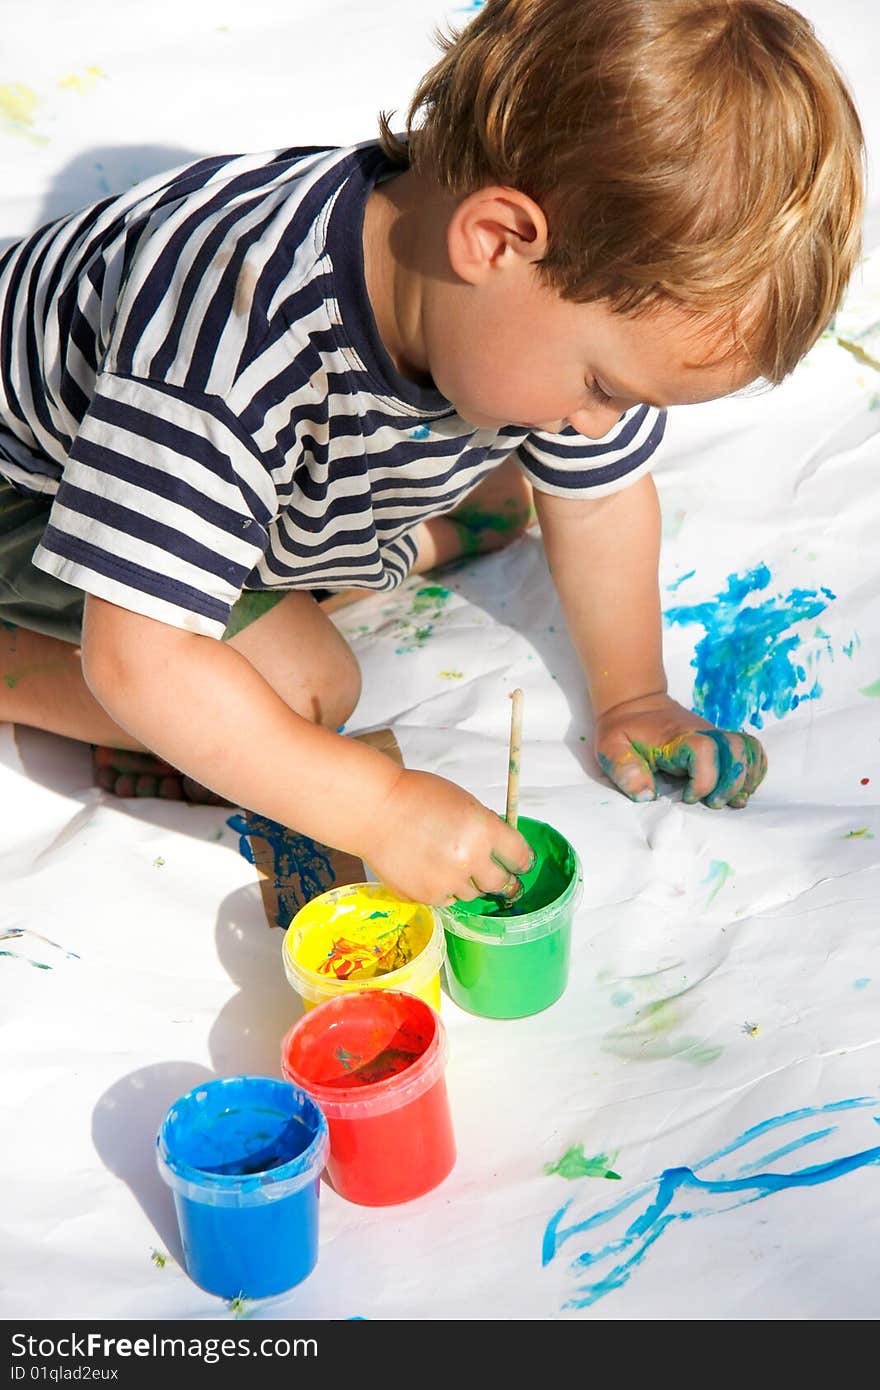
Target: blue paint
<point>676,583</point>
<point>850,647</point>
<point>243,1156</point>
<point>301,867</point>
<point>420,432</point>
<point>746,663</point>
<point>862,982</point>
<point>752,1182</point>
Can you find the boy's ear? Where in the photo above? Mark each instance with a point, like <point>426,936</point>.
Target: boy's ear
<point>493,229</point>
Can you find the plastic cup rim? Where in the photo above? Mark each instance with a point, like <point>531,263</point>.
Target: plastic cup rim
<point>291,1176</point>
<point>514,931</point>
<point>337,1102</point>
<point>316,988</point>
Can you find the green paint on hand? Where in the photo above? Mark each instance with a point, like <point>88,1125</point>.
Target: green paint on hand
<point>575,1164</point>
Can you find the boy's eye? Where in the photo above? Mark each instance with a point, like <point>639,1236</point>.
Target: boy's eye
<point>599,396</point>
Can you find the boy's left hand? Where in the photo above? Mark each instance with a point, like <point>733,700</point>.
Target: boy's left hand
<point>656,734</point>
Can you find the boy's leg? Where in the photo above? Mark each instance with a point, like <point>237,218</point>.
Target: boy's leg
<point>499,509</point>
<point>294,645</point>
<point>496,512</point>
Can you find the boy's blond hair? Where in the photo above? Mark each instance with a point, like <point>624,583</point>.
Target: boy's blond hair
<point>703,152</point>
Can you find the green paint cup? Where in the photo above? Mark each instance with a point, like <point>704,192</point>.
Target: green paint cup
<point>507,962</point>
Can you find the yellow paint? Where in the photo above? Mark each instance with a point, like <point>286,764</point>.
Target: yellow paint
<point>17,107</point>
<point>76,82</point>
<point>362,936</point>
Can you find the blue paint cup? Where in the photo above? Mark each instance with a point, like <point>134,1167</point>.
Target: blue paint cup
<point>243,1156</point>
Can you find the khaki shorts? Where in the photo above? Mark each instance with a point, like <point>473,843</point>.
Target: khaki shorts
<point>32,599</point>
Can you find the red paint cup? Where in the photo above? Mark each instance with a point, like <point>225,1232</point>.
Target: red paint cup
<point>374,1061</point>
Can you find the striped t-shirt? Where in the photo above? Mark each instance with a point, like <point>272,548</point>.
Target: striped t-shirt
<point>193,371</point>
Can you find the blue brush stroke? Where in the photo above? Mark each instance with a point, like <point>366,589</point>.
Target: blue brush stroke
<point>294,856</point>
<point>746,664</point>
<point>677,583</point>
<point>655,1217</point>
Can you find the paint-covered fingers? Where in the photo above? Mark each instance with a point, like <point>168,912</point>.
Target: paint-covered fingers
<point>627,768</point>
<point>433,841</point>
<point>720,771</point>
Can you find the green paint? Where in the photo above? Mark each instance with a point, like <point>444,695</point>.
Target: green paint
<point>160,1259</point>
<point>863,834</point>
<point>872,690</point>
<point>859,353</point>
<point>16,955</point>
<point>574,1164</point>
<point>719,873</point>
<point>373,915</point>
<point>478,529</point>
<point>429,596</point>
<point>643,1039</point>
<point>10,680</point>
<point>507,961</point>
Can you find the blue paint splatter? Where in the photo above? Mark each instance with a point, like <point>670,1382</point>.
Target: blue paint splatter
<point>628,1248</point>
<point>301,867</point>
<point>621,997</point>
<point>420,432</point>
<point>676,583</point>
<point>746,664</point>
<point>862,983</point>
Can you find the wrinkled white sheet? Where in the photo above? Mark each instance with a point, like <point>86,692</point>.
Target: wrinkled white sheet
<point>716,1047</point>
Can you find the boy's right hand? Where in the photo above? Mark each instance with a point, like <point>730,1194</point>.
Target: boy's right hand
<point>436,843</point>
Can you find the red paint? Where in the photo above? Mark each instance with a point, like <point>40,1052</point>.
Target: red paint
<point>374,1061</point>
<point>865,781</point>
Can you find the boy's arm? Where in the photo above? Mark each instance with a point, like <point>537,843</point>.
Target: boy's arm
<point>199,704</point>
<point>603,556</point>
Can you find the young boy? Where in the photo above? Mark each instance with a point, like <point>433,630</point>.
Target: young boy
<point>279,374</point>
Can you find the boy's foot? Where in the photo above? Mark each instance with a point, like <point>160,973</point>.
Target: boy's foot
<point>124,773</point>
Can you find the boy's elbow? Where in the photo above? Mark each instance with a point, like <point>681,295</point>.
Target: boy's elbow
<point>120,650</point>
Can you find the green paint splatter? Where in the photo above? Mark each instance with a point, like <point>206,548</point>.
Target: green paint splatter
<point>428,596</point>
<point>160,1259</point>
<point>863,834</point>
<point>158,862</point>
<point>640,1040</point>
<point>374,915</point>
<point>752,1029</point>
<point>428,603</point>
<point>872,690</point>
<point>10,680</point>
<point>859,353</point>
<point>238,1306</point>
<point>348,1059</point>
<point>16,955</point>
<point>451,675</point>
<point>719,873</point>
<point>575,1164</point>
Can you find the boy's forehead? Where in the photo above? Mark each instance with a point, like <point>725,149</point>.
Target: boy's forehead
<point>667,356</point>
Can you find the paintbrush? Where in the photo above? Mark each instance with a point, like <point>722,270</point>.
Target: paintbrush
<point>513,760</point>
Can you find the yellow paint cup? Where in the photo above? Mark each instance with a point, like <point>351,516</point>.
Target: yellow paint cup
<point>362,936</point>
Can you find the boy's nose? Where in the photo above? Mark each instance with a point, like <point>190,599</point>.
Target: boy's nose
<point>594,422</point>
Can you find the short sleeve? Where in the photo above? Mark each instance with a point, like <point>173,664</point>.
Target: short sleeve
<point>164,506</point>
<point>570,465</point>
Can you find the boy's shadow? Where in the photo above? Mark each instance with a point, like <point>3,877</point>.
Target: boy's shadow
<point>247,1033</point>
<point>101,172</point>
<point>125,1123</point>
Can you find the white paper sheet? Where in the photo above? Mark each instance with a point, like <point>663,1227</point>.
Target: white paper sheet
<point>716,1047</point>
